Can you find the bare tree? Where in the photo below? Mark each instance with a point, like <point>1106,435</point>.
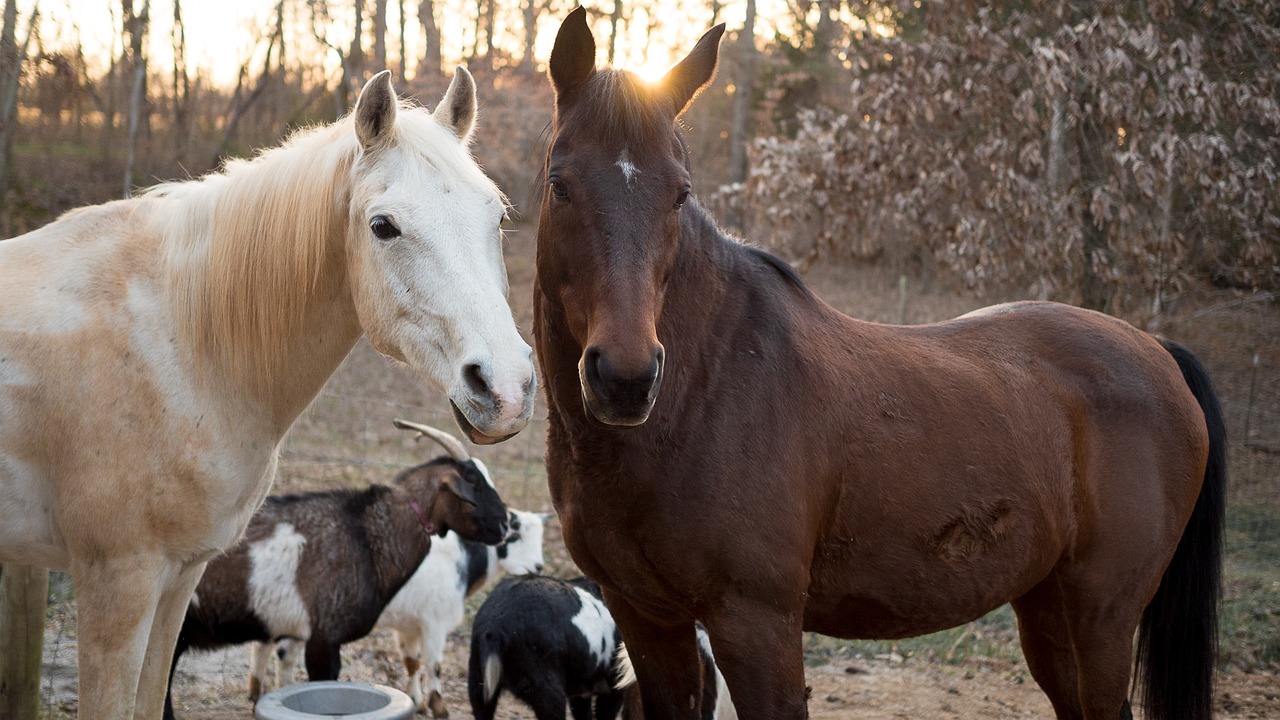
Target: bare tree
<point>403,68</point>
<point>181,90</point>
<point>744,85</point>
<point>136,26</point>
<point>615,17</point>
<point>379,35</point>
<point>532,9</point>
<point>431,57</point>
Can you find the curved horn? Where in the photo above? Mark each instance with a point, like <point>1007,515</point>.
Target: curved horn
<point>450,443</point>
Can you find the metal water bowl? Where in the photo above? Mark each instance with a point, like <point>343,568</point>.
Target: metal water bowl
<point>333,699</point>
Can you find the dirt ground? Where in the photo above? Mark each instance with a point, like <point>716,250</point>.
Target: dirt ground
<point>346,439</point>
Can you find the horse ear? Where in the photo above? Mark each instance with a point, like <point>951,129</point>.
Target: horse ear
<point>376,111</point>
<point>573,57</point>
<point>683,82</point>
<point>457,109</point>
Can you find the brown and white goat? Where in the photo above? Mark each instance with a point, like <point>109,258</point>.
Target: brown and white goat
<point>320,567</point>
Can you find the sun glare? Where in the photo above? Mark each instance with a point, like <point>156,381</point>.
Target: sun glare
<point>651,70</point>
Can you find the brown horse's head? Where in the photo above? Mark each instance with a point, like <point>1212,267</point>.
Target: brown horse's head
<point>617,174</point>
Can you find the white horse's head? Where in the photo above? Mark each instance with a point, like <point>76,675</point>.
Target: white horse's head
<point>424,251</point>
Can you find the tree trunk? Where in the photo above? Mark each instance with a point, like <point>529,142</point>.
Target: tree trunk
<point>1091,141</point>
<point>530,35</point>
<point>181,83</point>
<point>403,68</point>
<point>23,596</point>
<point>138,91</point>
<point>11,61</point>
<point>614,18</point>
<point>490,22</point>
<point>743,85</point>
<point>379,35</point>
<point>355,57</point>
<point>432,61</point>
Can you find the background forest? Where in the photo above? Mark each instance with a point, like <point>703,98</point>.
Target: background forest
<point>1110,154</point>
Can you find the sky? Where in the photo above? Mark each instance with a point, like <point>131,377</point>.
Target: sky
<point>221,34</point>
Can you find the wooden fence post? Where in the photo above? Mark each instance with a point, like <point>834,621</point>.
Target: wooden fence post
<point>24,592</point>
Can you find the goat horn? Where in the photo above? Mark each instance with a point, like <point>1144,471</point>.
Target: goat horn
<point>450,443</point>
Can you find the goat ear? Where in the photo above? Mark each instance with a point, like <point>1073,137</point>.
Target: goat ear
<point>573,57</point>
<point>683,82</point>
<point>460,488</point>
<point>457,110</point>
<point>376,111</point>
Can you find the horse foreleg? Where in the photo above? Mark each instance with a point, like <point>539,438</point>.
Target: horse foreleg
<point>290,649</point>
<point>760,651</point>
<point>259,657</point>
<point>665,658</point>
<point>170,611</point>
<point>116,601</point>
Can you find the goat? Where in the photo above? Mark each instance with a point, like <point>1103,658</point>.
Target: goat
<point>320,567</point>
<point>715,705</point>
<point>432,603</point>
<point>547,642</point>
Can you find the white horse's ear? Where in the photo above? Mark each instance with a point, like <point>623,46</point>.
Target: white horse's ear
<point>376,111</point>
<point>457,109</point>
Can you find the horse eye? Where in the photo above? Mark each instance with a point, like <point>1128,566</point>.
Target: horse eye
<point>681,198</point>
<point>383,228</point>
<point>558,189</point>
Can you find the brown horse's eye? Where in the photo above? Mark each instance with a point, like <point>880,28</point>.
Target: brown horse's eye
<point>383,228</point>
<point>681,198</point>
<point>558,189</point>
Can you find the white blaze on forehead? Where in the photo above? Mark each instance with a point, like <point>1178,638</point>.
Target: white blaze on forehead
<point>596,625</point>
<point>273,582</point>
<point>629,171</point>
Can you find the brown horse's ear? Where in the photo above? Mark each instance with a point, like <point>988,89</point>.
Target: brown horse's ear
<point>683,82</point>
<point>457,110</point>
<point>573,57</point>
<point>376,111</point>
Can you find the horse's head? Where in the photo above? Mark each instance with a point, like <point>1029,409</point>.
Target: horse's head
<point>425,256</point>
<point>617,175</point>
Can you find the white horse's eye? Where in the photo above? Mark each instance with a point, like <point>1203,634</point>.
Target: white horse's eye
<point>383,228</point>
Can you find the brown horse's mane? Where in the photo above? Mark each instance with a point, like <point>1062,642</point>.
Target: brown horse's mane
<point>697,224</point>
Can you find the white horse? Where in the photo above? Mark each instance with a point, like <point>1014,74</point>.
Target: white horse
<point>154,351</point>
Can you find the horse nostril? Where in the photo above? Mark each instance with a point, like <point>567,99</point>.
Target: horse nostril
<point>659,357</point>
<point>591,364</point>
<point>476,376</point>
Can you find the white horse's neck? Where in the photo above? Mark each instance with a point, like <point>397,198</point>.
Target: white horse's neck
<point>260,286</point>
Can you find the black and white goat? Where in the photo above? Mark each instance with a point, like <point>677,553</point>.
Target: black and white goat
<point>321,567</point>
<point>547,642</point>
<point>433,603</point>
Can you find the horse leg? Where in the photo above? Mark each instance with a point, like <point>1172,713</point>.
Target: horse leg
<point>1102,635</point>
<point>116,600</point>
<point>1042,628</point>
<point>759,649</point>
<point>1078,641</point>
<point>665,658</point>
<point>170,612</point>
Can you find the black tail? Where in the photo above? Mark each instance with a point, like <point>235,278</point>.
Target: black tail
<point>1178,638</point>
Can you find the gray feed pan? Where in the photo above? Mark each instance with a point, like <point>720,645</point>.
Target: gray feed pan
<point>333,699</point>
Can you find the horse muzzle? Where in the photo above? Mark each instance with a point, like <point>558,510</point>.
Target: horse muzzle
<point>488,412</point>
<point>615,397</point>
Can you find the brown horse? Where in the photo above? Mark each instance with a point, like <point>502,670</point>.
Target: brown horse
<point>726,447</point>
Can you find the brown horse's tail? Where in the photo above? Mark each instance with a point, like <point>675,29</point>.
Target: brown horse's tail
<point>1178,637</point>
